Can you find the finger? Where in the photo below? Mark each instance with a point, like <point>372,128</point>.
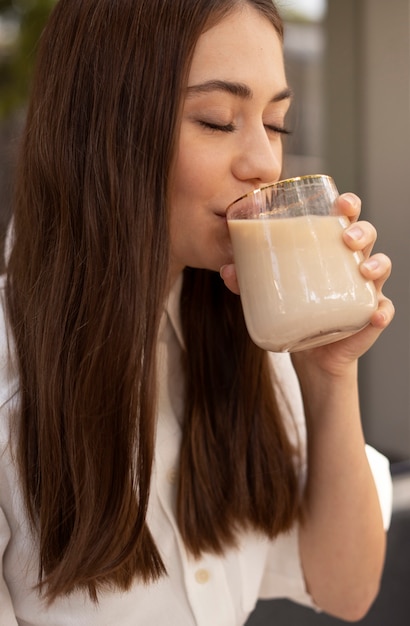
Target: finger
<point>362,341</point>
<point>377,268</point>
<point>228,275</point>
<point>384,314</point>
<point>360,236</point>
<point>350,205</point>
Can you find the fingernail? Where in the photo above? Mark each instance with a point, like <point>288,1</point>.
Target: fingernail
<point>350,198</point>
<point>355,232</point>
<point>383,316</point>
<point>371,264</point>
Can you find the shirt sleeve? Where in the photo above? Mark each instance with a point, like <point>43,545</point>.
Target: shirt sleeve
<point>380,467</point>
<point>8,617</point>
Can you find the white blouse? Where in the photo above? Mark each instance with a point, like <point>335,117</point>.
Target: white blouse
<point>213,590</point>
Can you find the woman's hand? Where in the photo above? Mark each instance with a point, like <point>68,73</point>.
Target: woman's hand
<point>359,236</point>
<point>228,275</point>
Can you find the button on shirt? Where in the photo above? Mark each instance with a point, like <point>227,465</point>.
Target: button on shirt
<point>212,590</point>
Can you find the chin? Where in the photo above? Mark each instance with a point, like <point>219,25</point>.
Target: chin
<point>215,259</point>
<point>220,262</point>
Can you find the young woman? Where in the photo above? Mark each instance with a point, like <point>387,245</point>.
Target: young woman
<point>156,467</point>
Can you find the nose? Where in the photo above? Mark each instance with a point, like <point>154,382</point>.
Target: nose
<point>259,158</point>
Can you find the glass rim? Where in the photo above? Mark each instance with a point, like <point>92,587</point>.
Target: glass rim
<point>283,182</point>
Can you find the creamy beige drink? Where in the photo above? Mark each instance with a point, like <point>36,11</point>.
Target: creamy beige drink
<point>300,284</point>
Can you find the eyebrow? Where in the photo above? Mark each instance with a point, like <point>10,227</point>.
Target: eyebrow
<point>236,89</point>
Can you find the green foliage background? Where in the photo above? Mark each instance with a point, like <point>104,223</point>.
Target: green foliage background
<point>17,58</point>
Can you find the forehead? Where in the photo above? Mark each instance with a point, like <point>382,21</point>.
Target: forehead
<point>242,44</point>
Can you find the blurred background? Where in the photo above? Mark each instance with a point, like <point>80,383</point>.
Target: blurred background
<point>348,62</point>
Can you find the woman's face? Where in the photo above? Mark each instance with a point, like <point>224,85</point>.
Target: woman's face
<point>231,134</point>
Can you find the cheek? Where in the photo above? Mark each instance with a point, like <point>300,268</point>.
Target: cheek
<point>197,239</point>
<point>185,191</point>
<point>196,168</point>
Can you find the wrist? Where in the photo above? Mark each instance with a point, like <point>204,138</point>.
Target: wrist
<point>324,371</point>
<point>328,393</point>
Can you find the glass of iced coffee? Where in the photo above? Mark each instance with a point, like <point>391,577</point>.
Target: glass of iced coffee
<point>300,284</point>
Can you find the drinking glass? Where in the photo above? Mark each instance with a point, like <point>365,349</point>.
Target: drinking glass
<point>300,284</point>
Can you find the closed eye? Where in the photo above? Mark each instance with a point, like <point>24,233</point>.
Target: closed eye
<point>230,128</point>
<point>224,128</point>
<point>281,130</point>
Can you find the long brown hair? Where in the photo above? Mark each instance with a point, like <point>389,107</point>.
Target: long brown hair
<point>87,278</point>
